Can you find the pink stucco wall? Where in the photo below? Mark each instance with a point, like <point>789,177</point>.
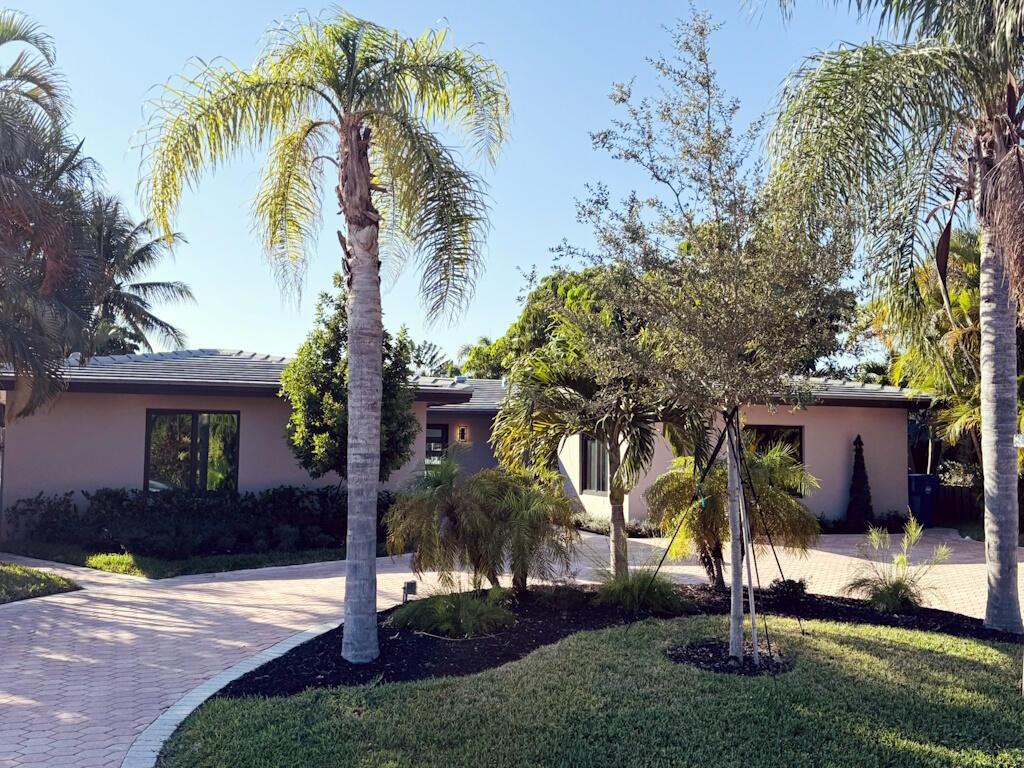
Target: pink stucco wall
<point>829,432</point>
<point>88,441</point>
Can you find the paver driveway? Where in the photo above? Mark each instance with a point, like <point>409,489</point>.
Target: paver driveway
<point>83,673</point>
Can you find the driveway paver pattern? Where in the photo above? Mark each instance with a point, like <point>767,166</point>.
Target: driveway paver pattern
<point>82,674</point>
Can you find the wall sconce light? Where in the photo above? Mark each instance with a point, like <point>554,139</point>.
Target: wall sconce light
<point>462,433</point>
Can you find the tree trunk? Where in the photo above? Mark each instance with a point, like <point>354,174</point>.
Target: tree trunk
<point>617,533</point>
<point>998,318</point>
<point>735,544</point>
<point>719,577</point>
<point>365,362</point>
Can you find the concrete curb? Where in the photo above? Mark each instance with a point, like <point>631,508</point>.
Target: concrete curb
<point>147,745</point>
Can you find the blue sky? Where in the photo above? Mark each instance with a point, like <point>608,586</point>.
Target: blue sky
<point>560,57</point>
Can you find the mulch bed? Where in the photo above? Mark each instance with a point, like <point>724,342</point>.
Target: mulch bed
<point>713,655</point>
<point>543,617</point>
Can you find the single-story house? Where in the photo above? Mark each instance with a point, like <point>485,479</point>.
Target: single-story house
<point>209,419</point>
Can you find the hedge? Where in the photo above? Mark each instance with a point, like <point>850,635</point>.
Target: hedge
<point>177,524</point>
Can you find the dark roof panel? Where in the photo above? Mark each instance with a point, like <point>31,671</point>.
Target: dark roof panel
<point>209,371</point>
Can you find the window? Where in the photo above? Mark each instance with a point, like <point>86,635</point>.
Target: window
<point>191,450</point>
<point>594,460</point>
<point>767,435</point>
<point>437,442</point>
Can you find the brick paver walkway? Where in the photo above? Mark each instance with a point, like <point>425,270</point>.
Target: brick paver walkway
<point>83,673</point>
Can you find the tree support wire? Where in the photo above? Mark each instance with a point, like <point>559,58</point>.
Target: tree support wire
<point>753,576</point>
<point>696,495</point>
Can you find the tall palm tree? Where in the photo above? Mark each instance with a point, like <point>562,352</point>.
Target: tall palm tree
<point>899,135</point>
<point>125,251</point>
<point>346,93</point>
<point>43,247</point>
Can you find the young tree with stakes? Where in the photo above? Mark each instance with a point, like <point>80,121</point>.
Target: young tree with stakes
<point>345,93</point>
<point>733,299</point>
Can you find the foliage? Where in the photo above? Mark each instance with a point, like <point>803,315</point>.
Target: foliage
<point>532,524</point>
<point>486,522</point>
<point>482,359</point>
<point>124,251</point>
<point>892,581</point>
<point>160,568</point>
<point>623,703</point>
<point>600,524</point>
<point>858,510</point>
<point>315,383</point>
<point>20,583</point>
<point>455,614</point>
<point>591,378</point>
<point>775,477</point>
<point>705,260</point>
<point>175,524</point>
<point>313,78</point>
<point>641,590</point>
<point>44,250</point>
<point>428,359</point>
<point>787,592</point>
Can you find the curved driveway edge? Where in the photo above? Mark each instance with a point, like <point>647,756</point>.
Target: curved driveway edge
<point>146,747</point>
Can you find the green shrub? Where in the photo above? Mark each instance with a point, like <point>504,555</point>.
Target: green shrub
<point>492,521</point>
<point>892,581</point>
<point>455,614</point>
<point>641,590</point>
<point>787,591</point>
<point>174,524</point>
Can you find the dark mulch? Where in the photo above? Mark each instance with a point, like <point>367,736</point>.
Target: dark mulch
<point>543,617</point>
<point>713,656</point>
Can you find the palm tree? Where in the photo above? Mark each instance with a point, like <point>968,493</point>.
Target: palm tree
<point>775,477</point>
<point>554,395</point>
<point>43,248</point>
<point>346,93</point>
<point>123,319</point>
<point>898,135</point>
<point>430,360</point>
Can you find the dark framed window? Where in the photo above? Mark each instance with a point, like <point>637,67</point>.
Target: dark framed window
<point>437,442</point>
<point>191,450</point>
<point>766,435</point>
<point>594,463</point>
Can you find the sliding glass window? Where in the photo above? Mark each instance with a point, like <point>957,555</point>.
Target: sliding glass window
<point>191,450</point>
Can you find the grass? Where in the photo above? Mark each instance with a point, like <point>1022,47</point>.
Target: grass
<point>157,568</point>
<point>856,696</point>
<point>20,583</point>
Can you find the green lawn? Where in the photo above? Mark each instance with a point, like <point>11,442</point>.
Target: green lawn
<point>156,568</point>
<point>20,583</point>
<point>857,696</point>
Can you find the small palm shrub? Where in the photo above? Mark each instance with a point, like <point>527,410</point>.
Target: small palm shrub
<point>776,475</point>
<point>486,523</point>
<point>787,592</point>
<point>455,614</point>
<point>641,590</point>
<point>891,581</point>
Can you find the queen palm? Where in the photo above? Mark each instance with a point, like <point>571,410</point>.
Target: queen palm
<point>899,135</point>
<point>345,94</point>
<point>125,251</point>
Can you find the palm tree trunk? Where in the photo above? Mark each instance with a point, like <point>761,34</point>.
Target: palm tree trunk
<point>735,544</point>
<point>616,496</point>
<point>998,426</point>
<point>365,362</point>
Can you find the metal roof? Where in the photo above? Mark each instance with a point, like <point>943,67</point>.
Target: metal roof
<point>206,371</point>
